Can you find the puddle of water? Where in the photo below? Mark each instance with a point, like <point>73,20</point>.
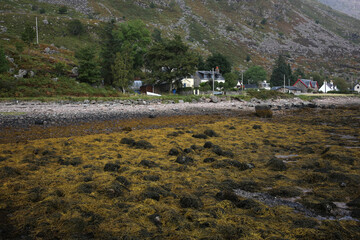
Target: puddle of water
<point>286,156</point>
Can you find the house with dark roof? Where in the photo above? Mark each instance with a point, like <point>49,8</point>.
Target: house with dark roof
<point>287,89</point>
<point>201,77</point>
<point>307,85</point>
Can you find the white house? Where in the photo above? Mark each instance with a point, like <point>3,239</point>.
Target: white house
<point>201,77</point>
<point>327,87</point>
<point>357,88</point>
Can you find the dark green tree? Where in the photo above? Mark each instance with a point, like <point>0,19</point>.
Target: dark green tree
<point>4,65</point>
<point>171,61</point>
<point>255,74</point>
<point>341,84</point>
<point>231,80</point>
<point>110,46</point>
<point>75,27</point>
<point>89,70</point>
<point>280,69</point>
<point>134,36</point>
<point>218,60</point>
<point>63,9</point>
<point>122,69</point>
<point>156,35</point>
<point>28,35</point>
<point>317,77</point>
<point>201,63</point>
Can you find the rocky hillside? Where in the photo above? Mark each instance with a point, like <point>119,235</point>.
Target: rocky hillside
<point>312,35</point>
<point>350,7</point>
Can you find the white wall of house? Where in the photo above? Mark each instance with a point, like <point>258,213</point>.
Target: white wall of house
<point>357,88</point>
<point>188,82</point>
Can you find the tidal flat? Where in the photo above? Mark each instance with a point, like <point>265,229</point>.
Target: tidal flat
<point>293,176</point>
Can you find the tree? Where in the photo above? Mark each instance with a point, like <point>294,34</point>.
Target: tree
<point>134,36</point>
<point>4,66</point>
<point>218,60</point>
<point>231,80</point>
<point>19,48</point>
<point>108,52</point>
<point>63,9</point>
<point>201,63</point>
<point>256,74</point>
<point>317,77</point>
<point>122,69</point>
<point>88,67</point>
<point>341,84</point>
<point>28,35</point>
<point>171,61</point>
<point>75,27</point>
<point>156,35</point>
<point>280,69</point>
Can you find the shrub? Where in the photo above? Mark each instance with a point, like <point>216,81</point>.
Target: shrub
<point>63,10</point>
<point>75,27</point>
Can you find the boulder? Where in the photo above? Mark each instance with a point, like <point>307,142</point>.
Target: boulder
<point>263,111</point>
<point>214,99</point>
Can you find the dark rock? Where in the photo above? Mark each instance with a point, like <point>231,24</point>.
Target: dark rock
<point>196,147</point>
<point>111,167</point>
<point>323,207</point>
<point>123,180</point>
<point>227,195</point>
<point>128,141</point>
<point>8,172</point>
<point>151,195</point>
<point>155,219</point>
<point>190,202</point>
<point>232,128</point>
<point>342,159</point>
<point>114,190</point>
<point>355,213</point>
<point>218,150</point>
<point>210,133</point>
<point>88,179</point>
<point>119,155</point>
<point>39,122</point>
<point>241,166</point>
<point>247,204</point>
<point>263,111</point>
<point>152,116</point>
<point>305,223</point>
<point>200,135</point>
<point>35,194</point>
<point>152,178</point>
<point>174,152</point>
<point>209,160</point>
<point>354,203</point>
<point>208,145</point>
<point>148,163</point>
<point>286,192</point>
<point>249,185</point>
<point>188,150</point>
<point>126,129</point>
<point>59,193</point>
<point>184,160</point>
<point>257,126</point>
<point>85,188</point>
<point>143,144</point>
<point>276,165</point>
<point>70,161</point>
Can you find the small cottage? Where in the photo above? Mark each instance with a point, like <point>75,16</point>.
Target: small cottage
<point>357,88</point>
<point>201,77</point>
<point>287,89</point>
<point>328,86</point>
<point>306,85</point>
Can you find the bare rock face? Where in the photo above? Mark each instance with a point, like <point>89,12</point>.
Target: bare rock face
<point>22,73</point>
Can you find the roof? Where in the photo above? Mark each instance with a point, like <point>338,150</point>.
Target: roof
<point>287,87</point>
<point>207,75</point>
<point>308,83</point>
<point>251,86</point>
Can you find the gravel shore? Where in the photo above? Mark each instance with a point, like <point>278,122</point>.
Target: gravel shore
<point>15,113</point>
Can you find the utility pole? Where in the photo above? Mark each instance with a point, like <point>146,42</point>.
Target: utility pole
<point>37,32</point>
<point>242,80</point>
<point>213,78</point>
<point>284,83</point>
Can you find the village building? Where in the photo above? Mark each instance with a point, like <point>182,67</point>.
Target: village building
<point>357,88</point>
<point>287,89</point>
<point>306,85</point>
<point>201,77</point>
<point>328,86</point>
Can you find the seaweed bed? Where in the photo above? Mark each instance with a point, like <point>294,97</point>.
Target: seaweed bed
<point>293,176</point>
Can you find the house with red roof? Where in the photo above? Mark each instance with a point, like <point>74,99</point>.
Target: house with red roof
<point>307,85</point>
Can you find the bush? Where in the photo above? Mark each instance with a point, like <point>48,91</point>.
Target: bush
<point>42,11</point>
<point>75,27</point>
<point>63,10</point>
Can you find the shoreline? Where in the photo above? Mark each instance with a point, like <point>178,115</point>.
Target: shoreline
<point>27,114</point>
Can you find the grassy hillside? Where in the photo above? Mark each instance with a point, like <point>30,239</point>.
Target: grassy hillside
<point>312,35</point>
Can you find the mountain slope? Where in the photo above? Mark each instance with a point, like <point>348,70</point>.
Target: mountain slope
<point>312,35</point>
<point>350,7</point>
